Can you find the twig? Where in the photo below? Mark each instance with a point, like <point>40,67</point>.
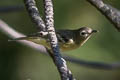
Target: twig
<point>70,76</point>
<point>60,63</point>
<point>34,14</point>
<point>112,14</point>
<point>10,32</point>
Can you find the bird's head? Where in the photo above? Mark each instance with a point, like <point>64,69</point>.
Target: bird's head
<point>84,33</point>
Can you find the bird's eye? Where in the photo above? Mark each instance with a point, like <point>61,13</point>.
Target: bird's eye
<point>83,33</point>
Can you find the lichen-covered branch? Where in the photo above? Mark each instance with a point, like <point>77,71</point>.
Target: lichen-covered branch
<point>111,13</point>
<point>34,14</point>
<point>55,53</point>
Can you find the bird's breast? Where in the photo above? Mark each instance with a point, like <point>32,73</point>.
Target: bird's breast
<point>68,47</point>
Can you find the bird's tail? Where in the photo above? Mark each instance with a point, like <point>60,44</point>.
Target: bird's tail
<point>16,39</point>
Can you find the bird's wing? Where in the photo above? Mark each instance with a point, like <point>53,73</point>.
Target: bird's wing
<point>65,36</point>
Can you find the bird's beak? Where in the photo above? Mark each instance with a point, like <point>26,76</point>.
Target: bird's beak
<point>95,31</point>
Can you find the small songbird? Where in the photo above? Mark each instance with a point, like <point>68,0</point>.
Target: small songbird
<point>67,39</point>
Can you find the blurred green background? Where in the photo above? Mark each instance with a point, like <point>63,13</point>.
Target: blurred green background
<point>18,62</point>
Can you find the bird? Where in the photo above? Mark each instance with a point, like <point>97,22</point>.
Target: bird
<point>67,39</point>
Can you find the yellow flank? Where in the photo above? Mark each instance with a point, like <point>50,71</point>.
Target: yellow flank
<point>39,40</point>
<point>70,45</point>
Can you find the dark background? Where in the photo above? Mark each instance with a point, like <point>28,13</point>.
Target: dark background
<point>19,62</point>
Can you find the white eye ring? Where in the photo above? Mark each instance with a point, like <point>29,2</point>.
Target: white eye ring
<point>83,33</point>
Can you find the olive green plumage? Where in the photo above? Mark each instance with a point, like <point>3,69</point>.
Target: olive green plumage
<point>67,39</point>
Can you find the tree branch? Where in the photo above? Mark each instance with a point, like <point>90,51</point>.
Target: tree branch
<point>112,14</point>
<point>60,63</point>
<point>34,14</point>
